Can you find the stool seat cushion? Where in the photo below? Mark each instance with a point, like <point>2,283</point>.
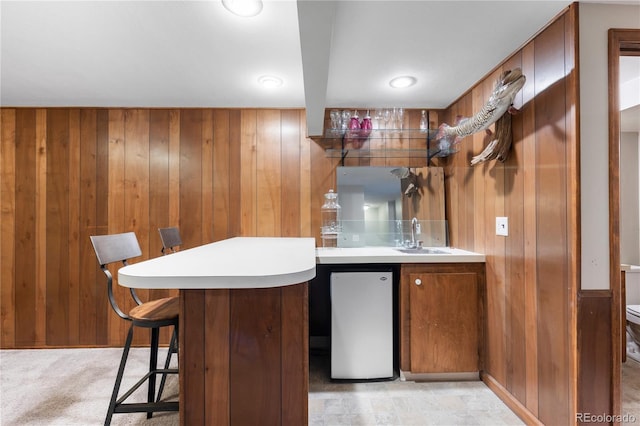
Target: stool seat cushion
<point>157,310</point>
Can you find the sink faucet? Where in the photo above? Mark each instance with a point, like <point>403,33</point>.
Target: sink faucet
<point>413,243</point>
<point>414,226</point>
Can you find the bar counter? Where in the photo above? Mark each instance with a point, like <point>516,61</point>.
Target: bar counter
<point>243,328</point>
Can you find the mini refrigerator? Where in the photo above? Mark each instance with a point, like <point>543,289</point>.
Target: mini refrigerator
<point>362,325</point>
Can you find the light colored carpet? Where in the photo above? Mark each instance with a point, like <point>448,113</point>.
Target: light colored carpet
<point>73,386</point>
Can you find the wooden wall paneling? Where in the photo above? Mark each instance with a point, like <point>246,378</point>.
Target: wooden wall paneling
<point>25,228</point>
<point>248,170</point>
<point>467,184</point>
<point>305,177</point>
<point>90,285</point>
<point>117,328</point>
<point>74,228</point>
<point>235,173</point>
<point>191,177</point>
<point>40,235</point>
<point>158,137</point>
<point>102,179</point>
<point>175,117</point>
<point>54,181</point>
<point>158,184</point>
<point>7,227</point>
<point>217,379</point>
<point>290,174</point>
<point>475,144</point>
<point>594,314</point>
<point>514,252</point>
<point>552,246</point>
<point>207,176</point>
<point>221,174</point>
<point>268,173</point>
<point>136,187</point>
<point>295,354</point>
<point>256,342</point>
<point>529,170</point>
<point>459,194</point>
<point>492,191</point>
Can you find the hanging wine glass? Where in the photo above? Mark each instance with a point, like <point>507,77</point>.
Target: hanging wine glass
<point>386,115</point>
<point>400,117</point>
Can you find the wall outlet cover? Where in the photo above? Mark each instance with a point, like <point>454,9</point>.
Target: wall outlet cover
<point>502,226</point>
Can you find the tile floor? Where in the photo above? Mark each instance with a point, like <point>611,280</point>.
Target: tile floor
<point>401,403</point>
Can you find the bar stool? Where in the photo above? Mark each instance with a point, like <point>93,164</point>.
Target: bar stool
<point>170,238</point>
<point>151,315</point>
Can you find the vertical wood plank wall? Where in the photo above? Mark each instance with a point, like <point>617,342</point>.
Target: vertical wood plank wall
<point>531,275</point>
<point>68,173</point>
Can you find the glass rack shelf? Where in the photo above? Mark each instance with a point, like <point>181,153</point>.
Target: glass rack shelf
<point>332,134</point>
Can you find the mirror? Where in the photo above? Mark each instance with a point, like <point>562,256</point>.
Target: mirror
<point>377,206</point>
<point>371,202</point>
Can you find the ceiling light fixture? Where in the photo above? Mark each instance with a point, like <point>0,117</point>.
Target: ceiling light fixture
<point>244,8</point>
<point>402,82</point>
<point>270,81</point>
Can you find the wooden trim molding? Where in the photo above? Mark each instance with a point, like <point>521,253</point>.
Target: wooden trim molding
<point>622,42</point>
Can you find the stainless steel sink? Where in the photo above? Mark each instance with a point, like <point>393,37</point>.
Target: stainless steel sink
<point>421,250</point>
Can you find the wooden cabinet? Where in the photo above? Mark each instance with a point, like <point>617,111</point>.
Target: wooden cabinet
<point>441,317</point>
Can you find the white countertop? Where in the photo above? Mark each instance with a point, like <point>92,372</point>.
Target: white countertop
<point>242,262</point>
<point>391,255</point>
<point>630,268</point>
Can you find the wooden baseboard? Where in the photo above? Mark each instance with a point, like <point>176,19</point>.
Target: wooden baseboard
<point>511,402</point>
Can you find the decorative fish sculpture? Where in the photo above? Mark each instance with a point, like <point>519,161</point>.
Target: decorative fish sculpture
<point>412,180</point>
<point>500,102</point>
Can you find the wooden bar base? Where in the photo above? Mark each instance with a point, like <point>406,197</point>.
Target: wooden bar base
<point>244,356</point>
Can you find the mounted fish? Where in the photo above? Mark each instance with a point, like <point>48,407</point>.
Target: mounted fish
<point>494,111</point>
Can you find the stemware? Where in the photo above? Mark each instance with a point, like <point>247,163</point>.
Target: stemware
<point>386,115</point>
<point>400,117</point>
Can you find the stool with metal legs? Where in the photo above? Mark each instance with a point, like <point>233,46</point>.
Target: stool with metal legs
<point>170,238</point>
<point>152,315</point>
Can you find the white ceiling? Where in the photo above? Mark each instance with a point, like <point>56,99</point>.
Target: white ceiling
<point>197,54</point>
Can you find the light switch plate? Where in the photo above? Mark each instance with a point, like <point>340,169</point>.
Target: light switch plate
<point>502,226</point>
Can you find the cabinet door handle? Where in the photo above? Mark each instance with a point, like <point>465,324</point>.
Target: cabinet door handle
<point>418,281</point>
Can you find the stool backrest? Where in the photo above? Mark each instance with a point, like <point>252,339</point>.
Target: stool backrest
<point>116,248</point>
<point>170,238</point>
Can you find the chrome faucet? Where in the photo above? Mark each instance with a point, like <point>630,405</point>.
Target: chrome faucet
<point>414,226</point>
<point>413,243</point>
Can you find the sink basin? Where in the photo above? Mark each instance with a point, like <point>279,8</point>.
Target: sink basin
<point>421,251</point>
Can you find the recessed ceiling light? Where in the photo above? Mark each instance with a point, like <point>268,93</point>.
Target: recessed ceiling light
<point>245,8</point>
<point>402,82</point>
<point>270,81</point>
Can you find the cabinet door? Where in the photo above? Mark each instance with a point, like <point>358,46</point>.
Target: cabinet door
<point>444,322</point>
